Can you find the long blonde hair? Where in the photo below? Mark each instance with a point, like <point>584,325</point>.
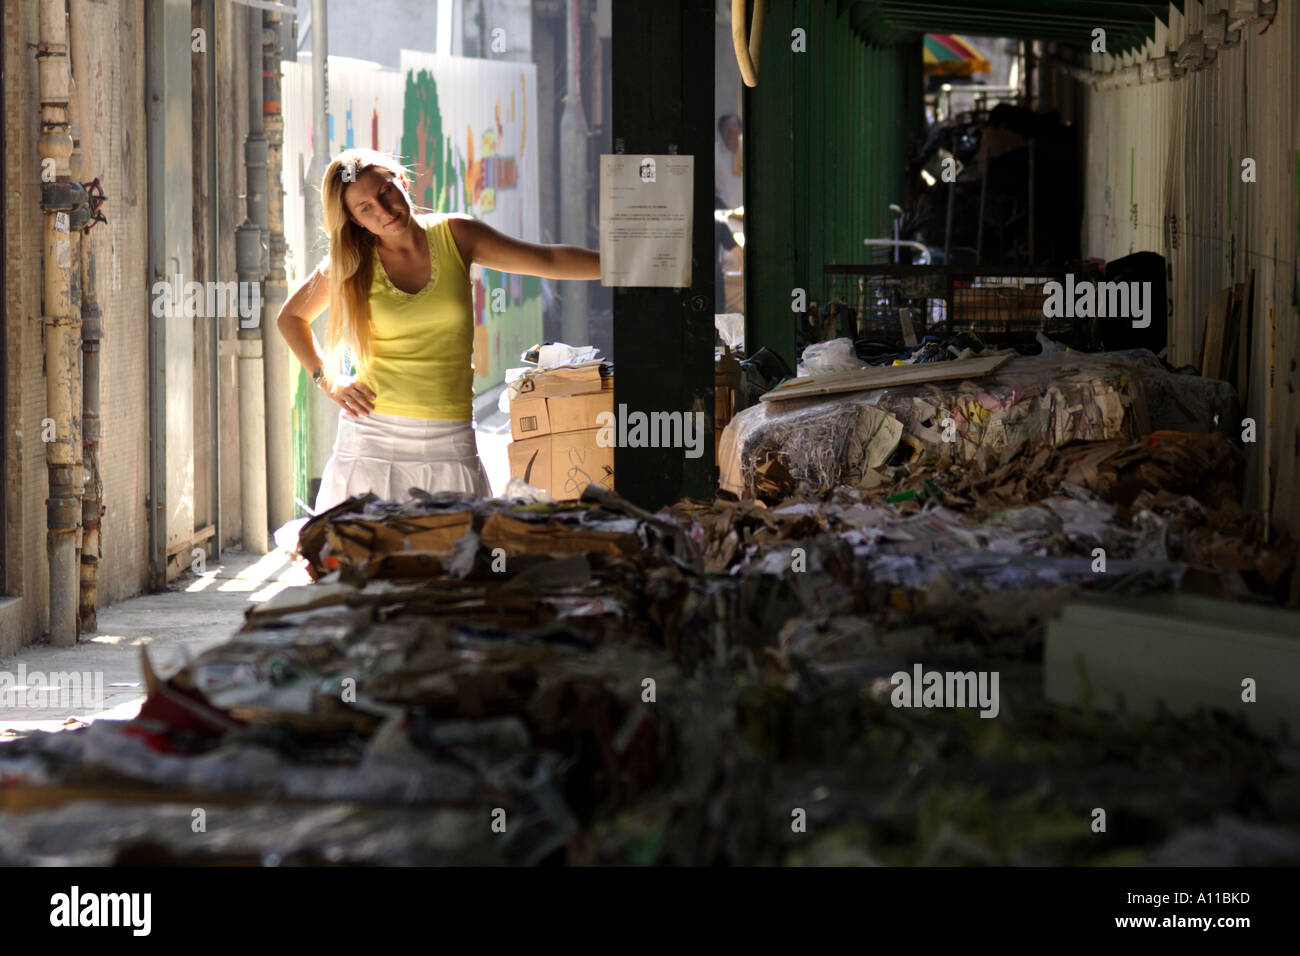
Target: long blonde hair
<point>352,255</point>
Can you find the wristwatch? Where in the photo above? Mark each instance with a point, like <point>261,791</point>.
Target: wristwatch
<point>318,375</point>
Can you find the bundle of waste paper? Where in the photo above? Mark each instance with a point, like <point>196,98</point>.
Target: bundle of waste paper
<point>493,682</point>
<point>808,437</point>
<point>525,681</point>
<point>429,534</point>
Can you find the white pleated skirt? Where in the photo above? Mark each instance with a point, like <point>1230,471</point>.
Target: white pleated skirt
<point>389,455</point>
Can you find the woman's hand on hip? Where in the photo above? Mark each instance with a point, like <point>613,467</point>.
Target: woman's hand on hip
<point>353,397</point>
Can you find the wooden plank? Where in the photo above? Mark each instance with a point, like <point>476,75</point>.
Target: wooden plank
<point>1228,363</point>
<point>850,375</point>
<point>22,799</point>
<point>909,332</point>
<point>888,376</point>
<point>25,799</point>
<point>1242,346</point>
<point>178,556</point>
<point>1267,456</point>
<point>1245,319</point>
<point>1215,324</point>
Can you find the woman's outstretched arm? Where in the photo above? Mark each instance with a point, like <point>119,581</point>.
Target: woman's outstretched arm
<point>479,242</point>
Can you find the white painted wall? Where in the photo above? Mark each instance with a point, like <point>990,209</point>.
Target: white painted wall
<point>1174,149</point>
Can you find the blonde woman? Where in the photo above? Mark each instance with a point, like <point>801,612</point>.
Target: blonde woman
<point>398,291</point>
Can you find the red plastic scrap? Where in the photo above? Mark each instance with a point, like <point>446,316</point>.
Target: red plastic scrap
<point>178,711</point>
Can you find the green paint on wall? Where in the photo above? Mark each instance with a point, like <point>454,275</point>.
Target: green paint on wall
<point>826,136</point>
<point>299,440</point>
<point>428,148</point>
<point>511,331</point>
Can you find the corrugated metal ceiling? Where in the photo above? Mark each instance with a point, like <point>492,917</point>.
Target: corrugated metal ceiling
<point>1128,23</point>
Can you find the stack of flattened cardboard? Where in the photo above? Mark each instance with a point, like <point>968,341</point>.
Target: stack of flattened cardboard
<point>363,721</point>
<point>554,427</point>
<point>415,539</point>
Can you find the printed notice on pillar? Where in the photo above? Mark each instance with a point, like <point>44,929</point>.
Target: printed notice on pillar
<point>645,220</point>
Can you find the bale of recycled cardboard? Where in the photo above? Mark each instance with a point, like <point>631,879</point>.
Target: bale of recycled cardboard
<point>818,444</point>
<point>1054,398</point>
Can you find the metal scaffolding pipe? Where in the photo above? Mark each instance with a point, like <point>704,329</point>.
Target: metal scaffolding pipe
<point>1032,190</point>
<point>897,244</point>
<point>984,189</point>
<point>250,263</point>
<point>573,181</point>
<point>92,508</point>
<point>322,414</point>
<point>92,332</point>
<point>61,198</point>
<point>278,365</point>
<point>214,273</point>
<point>947,224</point>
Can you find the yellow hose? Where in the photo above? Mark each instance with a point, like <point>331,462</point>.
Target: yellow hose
<point>747,47</point>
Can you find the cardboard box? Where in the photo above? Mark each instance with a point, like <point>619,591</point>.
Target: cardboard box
<point>568,380</point>
<point>570,413</point>
<point>563,463</point>
<point>537,416</point>
<point>530,460</point>
<point>577,461</point>
<point>529,418</point>
<point>533,537</point>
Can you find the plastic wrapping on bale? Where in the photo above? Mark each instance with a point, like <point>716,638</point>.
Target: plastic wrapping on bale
<point>772,451</point>
<point>823,358</point>
<point>1189,403</point>
<point>1057,398</point>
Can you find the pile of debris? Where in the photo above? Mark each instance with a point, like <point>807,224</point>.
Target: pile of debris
<point>500,682</point>
<point>810,436</point>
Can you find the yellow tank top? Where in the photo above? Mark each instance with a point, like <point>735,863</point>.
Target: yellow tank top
<point>424,341</point>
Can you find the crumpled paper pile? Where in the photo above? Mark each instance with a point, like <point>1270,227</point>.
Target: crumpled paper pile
<point>808,446</point>
<point>620,687</point>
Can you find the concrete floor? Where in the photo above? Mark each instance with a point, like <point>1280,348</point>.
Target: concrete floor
<point>197,612</point>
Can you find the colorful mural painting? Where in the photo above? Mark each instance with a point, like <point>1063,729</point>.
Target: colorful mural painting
<point>428,149</point>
